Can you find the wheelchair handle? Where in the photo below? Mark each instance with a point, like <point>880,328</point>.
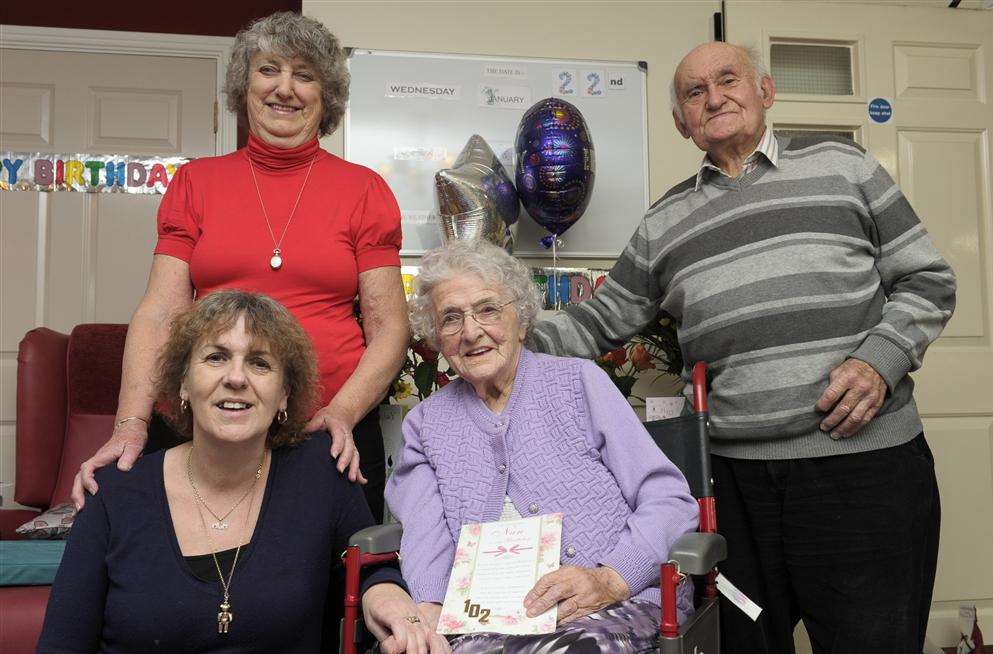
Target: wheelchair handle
<point>700,387</point>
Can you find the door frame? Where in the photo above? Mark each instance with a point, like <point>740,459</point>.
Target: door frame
<point>214,48</point>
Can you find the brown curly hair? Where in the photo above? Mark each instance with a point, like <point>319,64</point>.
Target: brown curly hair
<point>266,320</point>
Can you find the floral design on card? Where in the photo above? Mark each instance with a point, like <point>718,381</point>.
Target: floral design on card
<point>495,565</point>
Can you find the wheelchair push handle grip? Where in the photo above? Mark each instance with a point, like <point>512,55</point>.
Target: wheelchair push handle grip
<point>700,387</point>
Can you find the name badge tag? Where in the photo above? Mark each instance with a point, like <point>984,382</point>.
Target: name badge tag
<point>738,598</point>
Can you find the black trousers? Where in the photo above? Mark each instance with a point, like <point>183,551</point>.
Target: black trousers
<point>848,544</point>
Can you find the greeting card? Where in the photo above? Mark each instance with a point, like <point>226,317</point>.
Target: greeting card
<point>496,564</point>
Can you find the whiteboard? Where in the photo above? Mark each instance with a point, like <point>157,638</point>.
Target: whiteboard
<point>409,116</point>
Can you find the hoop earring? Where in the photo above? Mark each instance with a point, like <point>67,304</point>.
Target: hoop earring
<point>282,416</point>
<point>183,405</point>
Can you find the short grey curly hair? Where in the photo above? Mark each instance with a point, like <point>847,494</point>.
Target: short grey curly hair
<point>290,35</point>
<point>490,263</point>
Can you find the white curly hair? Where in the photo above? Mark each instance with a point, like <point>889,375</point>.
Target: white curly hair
<point>490,263</point>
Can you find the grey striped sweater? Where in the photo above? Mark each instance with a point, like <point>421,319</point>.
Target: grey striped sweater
<point>774,279</point>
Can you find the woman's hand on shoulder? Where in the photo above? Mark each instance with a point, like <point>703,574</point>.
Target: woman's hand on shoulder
<point>342,442</point>
<point>400,625</point>
<point>577,591</point>
<point>125,446</point>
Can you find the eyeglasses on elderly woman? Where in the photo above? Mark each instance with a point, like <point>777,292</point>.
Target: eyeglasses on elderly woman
<point>485,313</point>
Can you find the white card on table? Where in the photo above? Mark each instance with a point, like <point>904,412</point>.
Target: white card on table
<point>661,408</point>
<point>496,564</point>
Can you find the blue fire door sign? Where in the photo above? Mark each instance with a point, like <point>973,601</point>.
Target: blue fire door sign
<point>880,110</point>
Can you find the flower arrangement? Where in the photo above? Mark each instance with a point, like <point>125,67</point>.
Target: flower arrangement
<point>420,374</point>
<point>655,348</point>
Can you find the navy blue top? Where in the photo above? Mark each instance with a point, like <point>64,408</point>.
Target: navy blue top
<point>124,585</point>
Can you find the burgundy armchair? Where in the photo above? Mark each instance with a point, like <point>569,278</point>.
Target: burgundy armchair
<point>67,389</point>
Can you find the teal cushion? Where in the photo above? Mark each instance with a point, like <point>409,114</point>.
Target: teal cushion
<point>29,562</point>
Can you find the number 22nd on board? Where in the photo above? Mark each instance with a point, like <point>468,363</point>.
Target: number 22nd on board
<point>475,611</point>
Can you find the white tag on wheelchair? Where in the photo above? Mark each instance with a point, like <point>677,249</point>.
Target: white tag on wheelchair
<point>738,598</point>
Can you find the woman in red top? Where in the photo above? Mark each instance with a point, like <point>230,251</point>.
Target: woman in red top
<point>285,218</point>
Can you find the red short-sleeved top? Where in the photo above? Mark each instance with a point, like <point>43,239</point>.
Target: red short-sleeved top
<point>347,222</point>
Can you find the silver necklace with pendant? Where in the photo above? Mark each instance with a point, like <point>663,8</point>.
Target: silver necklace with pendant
<point>276,261</point>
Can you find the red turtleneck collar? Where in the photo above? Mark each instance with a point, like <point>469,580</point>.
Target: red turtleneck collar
<point>272,158</point>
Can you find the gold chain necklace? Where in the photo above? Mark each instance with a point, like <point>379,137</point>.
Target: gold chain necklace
<point>224,617</point>
<point>220,525</point>
<point>276,262</point>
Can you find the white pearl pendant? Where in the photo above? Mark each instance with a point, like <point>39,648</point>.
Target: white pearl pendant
<point>276,262</point>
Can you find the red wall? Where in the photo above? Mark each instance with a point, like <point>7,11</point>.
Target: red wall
<point>204,17</point>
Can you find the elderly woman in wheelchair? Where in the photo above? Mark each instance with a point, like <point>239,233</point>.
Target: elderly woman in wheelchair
<point>524,434</point>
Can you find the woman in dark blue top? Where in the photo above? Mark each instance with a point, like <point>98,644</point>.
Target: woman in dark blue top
<point>226,542</point>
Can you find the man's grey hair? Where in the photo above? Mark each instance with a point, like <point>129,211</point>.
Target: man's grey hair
<point>759,71</point>
<point>456,260</point>
<point>291,35</point>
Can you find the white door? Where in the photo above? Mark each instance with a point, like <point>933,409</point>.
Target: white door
<point>935,67</point>
<point>69,258</point>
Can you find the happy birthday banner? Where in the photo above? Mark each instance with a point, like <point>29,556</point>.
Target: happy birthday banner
<point>87,173</point>
<point>575,285</point>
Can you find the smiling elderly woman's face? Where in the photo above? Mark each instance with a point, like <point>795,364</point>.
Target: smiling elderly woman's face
<point>484,347</point>
<point>284,100</point>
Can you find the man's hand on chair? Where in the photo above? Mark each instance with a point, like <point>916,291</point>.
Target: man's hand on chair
<point>577,591</point>
<point>854,396</point>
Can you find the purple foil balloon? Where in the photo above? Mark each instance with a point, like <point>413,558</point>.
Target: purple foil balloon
<point>555,164</point>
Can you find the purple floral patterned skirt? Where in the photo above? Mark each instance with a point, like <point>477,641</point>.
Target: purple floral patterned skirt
<point>628,626</point>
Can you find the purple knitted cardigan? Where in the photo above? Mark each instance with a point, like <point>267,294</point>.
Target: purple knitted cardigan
<point>566,442</point>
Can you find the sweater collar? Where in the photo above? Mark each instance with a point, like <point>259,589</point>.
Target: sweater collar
<point>767,147</point>
<point>482,414</point>
<point>273,159</point>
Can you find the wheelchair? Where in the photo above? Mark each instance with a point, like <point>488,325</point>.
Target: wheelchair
<point>685,441</point>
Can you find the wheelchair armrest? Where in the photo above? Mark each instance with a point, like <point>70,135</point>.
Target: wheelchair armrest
<point>378,539</point>
<point>697,553</point>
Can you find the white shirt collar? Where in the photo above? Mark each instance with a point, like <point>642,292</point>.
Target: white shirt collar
<point>768,146</point>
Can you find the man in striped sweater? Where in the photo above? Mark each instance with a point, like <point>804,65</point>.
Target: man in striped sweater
<point>798,270</point>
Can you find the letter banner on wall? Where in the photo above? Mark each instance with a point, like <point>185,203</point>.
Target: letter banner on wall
<point>560,287</point>
<point>575,285</point>
<point>87,173</point>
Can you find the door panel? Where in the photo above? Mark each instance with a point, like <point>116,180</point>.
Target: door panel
<point>124,244</point>
<point>953,205</point>
<point>146,119</point>
<point>938,72</point>
<point>27,115</point>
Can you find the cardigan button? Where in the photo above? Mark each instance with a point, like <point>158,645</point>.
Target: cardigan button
<point>570,551</point>
<point>502,468</point>
<point>533,508</point>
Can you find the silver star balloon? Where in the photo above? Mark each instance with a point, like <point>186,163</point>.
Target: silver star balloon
<point>476,198</point>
